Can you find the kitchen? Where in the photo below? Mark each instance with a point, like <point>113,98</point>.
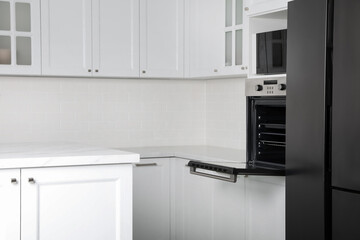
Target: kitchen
<point>165,119</point>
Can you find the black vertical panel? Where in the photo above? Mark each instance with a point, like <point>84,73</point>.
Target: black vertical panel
<point>346,215</point>
<point>306,125</point>
<point>346,95</point>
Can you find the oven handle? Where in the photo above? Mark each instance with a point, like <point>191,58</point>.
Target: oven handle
<point>232,178</point>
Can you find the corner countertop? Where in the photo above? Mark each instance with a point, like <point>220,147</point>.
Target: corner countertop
<point>31,155</point>
<point>197,153</point>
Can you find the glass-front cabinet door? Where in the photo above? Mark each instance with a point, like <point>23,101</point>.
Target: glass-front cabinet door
<point>20,37</point>
<point>235,29</point>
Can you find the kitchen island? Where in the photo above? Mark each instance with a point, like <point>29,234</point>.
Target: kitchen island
<point>65,191</point>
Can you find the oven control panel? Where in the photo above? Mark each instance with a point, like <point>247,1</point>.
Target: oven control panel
<point>265,87</point>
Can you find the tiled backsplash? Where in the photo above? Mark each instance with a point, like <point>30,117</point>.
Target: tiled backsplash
<point>107,112</point>
<point>226,113</point>
<point>123,113</point>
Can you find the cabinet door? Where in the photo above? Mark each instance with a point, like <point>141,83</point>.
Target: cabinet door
<point>10,204</point>
<point>20,37</point>
<point>75,203</point>
<point>116,38</point>
<point>66,37</point>
<point>265,204</point>
<point>152,200</point>
<point>206,37</point>
<point>162,38</point>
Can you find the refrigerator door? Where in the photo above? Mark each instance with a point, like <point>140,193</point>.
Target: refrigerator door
<point>346,215</point>
<point>346,96</point>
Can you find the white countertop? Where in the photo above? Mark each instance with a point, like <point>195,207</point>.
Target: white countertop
<point>198,153</point>
<point>30,155</point>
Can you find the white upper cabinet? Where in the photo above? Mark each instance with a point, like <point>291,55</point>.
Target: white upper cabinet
<point>90,38</point>
<point>20,37</point>
<point>116,38</point>
<point>10,204</point>
<point>205,28</point>
<point>66,37</point>
<point>162,38</point>
<point>216,39</point>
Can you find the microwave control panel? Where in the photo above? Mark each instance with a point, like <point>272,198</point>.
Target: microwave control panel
<point>265,87</point>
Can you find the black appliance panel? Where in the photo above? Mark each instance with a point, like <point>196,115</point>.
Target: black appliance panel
<point>305,120</point>
<point>271,52</point>
<point>346,215</point>
<point>266,130</point>
<point>346,96</point>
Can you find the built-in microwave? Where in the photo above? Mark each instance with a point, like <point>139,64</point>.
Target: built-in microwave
<point>271,52</point>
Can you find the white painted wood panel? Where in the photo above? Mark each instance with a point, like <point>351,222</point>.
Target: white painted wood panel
<point>265,204</point>
<point>75,203</point>
<point>162,38</point>
<point>66,37</point>
<point>152,199</point>
<point>206,37</point>
<point>9,205</point>
<point>116,38</point>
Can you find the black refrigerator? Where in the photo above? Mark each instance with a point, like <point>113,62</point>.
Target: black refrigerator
<point>323,120</point>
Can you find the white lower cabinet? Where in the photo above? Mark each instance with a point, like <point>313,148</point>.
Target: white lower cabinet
<point>10,205</point>
<point>152,200</point>
<point>87,202</point>
<point>265,206</point>
<point>253,208</point>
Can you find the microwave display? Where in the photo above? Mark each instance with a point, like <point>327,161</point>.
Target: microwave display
<point>271,52</point>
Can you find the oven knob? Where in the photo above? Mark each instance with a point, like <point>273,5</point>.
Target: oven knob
<point>258,88</point>
<point>282,87</point>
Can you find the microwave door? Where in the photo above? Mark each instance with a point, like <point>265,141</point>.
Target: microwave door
<point>276,51</point>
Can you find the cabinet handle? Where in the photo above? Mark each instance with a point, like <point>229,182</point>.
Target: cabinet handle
<point>143,71</point>
<point>242,68</point>
<point>215,70</point>
<point>14,181</point>
<point>32,180</point>
<point>246,9</point>
<point>97,70</point>
<point>89,70</point>
<point>146,164</point>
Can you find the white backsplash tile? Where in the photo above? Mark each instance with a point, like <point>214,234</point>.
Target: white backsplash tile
<point>107,112</point>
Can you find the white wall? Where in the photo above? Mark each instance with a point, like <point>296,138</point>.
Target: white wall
<point>107,112</point>
<point>226,113</point>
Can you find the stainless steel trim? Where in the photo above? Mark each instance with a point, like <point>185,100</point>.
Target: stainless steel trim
<point>232,178</point>
<point>256,86</point>
<point>145,164</point>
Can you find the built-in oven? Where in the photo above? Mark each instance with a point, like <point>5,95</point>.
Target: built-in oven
<point>266,135</point>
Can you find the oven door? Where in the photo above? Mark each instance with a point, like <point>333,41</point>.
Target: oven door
<point>266,130</point>
<point>228,171</point>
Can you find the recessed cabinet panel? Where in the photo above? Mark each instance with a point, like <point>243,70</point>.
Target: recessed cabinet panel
<point>66,37</point>
<point>23,17</point>
<point>23,51</point>
<point>10,204</point>
<point>162,38</point>
<point>75,203</point>
<point>5,50</point>
<point>4,16</point>
<point>116,38</point>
